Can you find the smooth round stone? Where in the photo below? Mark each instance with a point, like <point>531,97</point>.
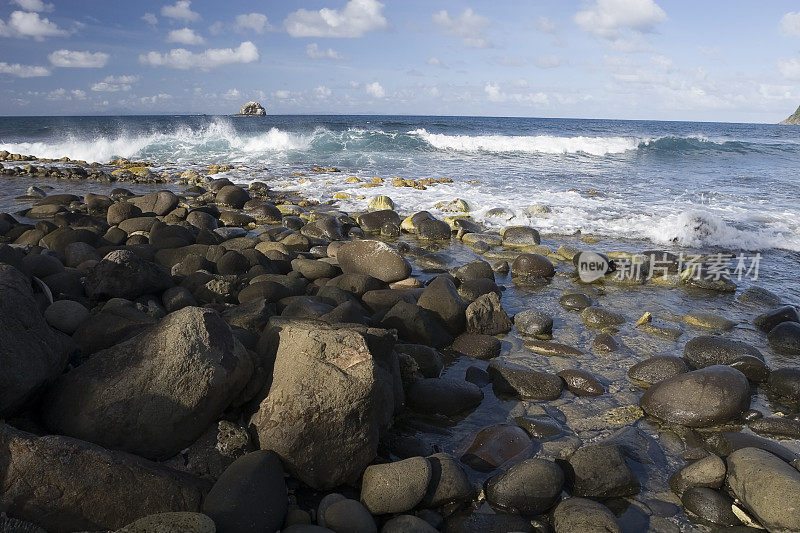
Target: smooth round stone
<point>179,522</point>
<point>605,342</point>
<point>523,382</point>
<point>776,427</point>
<point>66,315</point>
<point>575,301</point>
<point>581,382</point>
<point>501,267</point>
<point>373,258</point>
<point>324,503</point>
<point>706,397</point>
<point>529,488</point>
<point>785,383</point>
<point>753,368</point>
<point>350,516</point>
<point>597,317</point>
<point>759,296</point>
<point>449,482</point>
<point>395,487</point>
<point>767,321</point>
<point>533,323</point>
<point>709,321</point>
<point>477,345</point>
<point>599,471</point>
<point>407,523</point>
<point>496,445</point>
<point>707,350</point>
<point>520,236</point>
<point>552,348</point>
<point>657,369</point>
<point>580,515</point>
<point>539,426</point>
<point>532,265</point>
<point>478,269</point>
<point>706,472</point>
<point>710,506</point>
<point>785,338</point>
<point>445,396</point>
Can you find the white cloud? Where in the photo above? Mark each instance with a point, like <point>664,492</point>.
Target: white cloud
<point>322,92</point>
<point>185,36</point>
<point>790,24</point>
<point>257,22</point>
<point>282,94</point>
<point>78,94</point>
<point>181,10</point>
<point>468,26</point>
<point>607,18</point>
<point>495,94</point>
<point>355,19</point>
<point>790,68</point>
<point>115,83</point>
<point>216,28</point>
<point>77,59</point>
<point>23,71</point>
<point>436,62</point>
<point>181,58</point>
<point>152,99</point>
<point>548,61</point>
<point>232,94</point>
<point>375,90</point>
<point>24,24</point>
<point>34,5</point>
<point>313,51</point>
<point>150,19</point>
<point>545,25</point>
<point>63,94</point>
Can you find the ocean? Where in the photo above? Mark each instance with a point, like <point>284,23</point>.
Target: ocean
<point>645,184</point>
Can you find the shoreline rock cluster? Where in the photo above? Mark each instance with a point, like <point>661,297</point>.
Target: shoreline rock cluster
<point>225,359</point>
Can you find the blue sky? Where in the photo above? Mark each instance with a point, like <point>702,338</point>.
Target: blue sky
<point>706,60</point>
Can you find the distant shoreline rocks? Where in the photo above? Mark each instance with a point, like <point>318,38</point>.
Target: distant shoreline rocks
<point>252,109</point>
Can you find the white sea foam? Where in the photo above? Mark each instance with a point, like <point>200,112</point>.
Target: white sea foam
<point>546,144</point>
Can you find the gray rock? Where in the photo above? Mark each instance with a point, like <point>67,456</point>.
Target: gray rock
<point>581,383</point>
<point>176,298</point>
<point>528,488</point>
<point>395,487</point>
<point>123,274</point>
<point>759,296</point>
<point>579,515</point>
<point>575,301</point>
<point>767,321</point>
<point>520,236</point>
<point>358,397</point>
<point>533,323</point>
<point>478,269</point>
<point>97,489</point>
<point>657,369</point>
<point>66,315</point>
<point>171,523</point>
<point>417,325</point>
<point>429,361</point>
<point>232,196</point>
<point>373,258</point>
<point>599,471</point>
<point>432,229</point>
<point>785,383</point>
<point>445,396</point>
<point>487,316</point>
<point>159,203</point>
<point>768,487</point>
<point>156,393</point>
<point>785,338</point>
<point>112,325</point>
<point>449,483</point>
<point>776,427</point>
<point>597,317</point>
<point>442,299</point>
<point>477,345</point>
<point>407,523</point>
<point>349,516</point>
<point>707,350</point>
<point>706,397</point>
<point>31,354</point>
<point>710,506</point>
<point>526,383</point>
<point>532,266</point>
<point>250,496</point>
<point>324,503</point>
<point>706,472</point>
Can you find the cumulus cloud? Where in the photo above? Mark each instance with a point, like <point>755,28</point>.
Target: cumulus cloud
<point>63,94</point>
<point>183,59</point>
<point>790,68</point>
<point>180,10</point>
<point>26,24</point>
<point>23,71</point>
<point>78,59</point>
<point>608,18</point>
<point>355,19</point>
<point>34,5</point>
<point>185,36</point>
<point>436,62</point>
<point>495,94</point>
<point>790,24</point>
<point>314,52</point>
<point>545,25</point>
<point>150,19</point>
<point>256,22</point>
<point>153,99</point>
<point>282,94</point>
<point>115,83</point>
<point>548,61</point>
<point>375,90</point>
<point>232,94</point>
<point>322,92</point>
<point>468,26</point>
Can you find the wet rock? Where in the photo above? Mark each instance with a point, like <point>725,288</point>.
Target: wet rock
<point>599,471</point>
<point>478,269</point>
<point>657,369</point>
<point>706,472</point>
<point>581,382</point>
<point>767,321</point>
<point>529,488</point>
<point>579,515</point>
<point>597,317</point>
<point>432,229</point>
<point>372,222</point>
<point>97,489</point>
<point>415,324</point>
<point>395,487</point>
<point>516,380</point>
<point>407,524</point>
<point>539,427</point>
<point>66,315</point>
<point>605,342</point>
<point>429,361</point>
<point>753,368</point>
<point>759,296</point>
<point>31,353</point>
<point>708,350</point>
<point>487,316</point>
<point>123,274</point>
<point>710,506</point>
<point>532,266</point>
<point>172,523</point>
<point>533,323</point>
<point>776,427</point>
<point>445,396</point>
<point>449,483</point>
<point>575,301</point>
<point>250,496</point>
<point>785,338</point>
<point>358,398</point>
<point>767,486</point>
<point>477,346</point>
<point>552,348</point>
<point>706,397</point>
<point>473,289</point>
<point>442,299</point>
<point>156,393</point>
<point>349,515</point>
<point>373,258</point>
<point>232,196</point>
<point>785,383</point>
<point>496,445</point>
<point>709,321</point>
<point>520,236</point>
<point>727,442</point>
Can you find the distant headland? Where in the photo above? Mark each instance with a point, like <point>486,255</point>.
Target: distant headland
<point>252,109</point>
<point>793,120</point>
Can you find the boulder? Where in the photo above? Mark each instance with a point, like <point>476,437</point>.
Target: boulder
<point>66,485</point>
<point>123,274</point>
<point>349,373</point>
<point>112,325</point>
<point>449,483</point>
<point>66,315</point>
<point>708,471</point>
<point>444,396</point>
<point>252,109</point>
<point>487,316</point>
<point>232,196</point>
<point>599,471</point>
<point>658,368</point>
<point>532,266</point>
<point>767,321</point>
<point>120,211</point>
<point>709,506</point>
<point>785,338</point>
<point>529,488</point>
<point>520,236</point>
<point>373,258</point>
<point>180,522</point>
<point>31,353</point>
<point>707,350</point>
<point>700,398</point>
<point>349,515</point>
<point>526,383</point>
<point>159,203</point>
<point>477,345</point>
<point>533,323</point>
<point>395,487</point>
<point>579,515</point>
<point>442,299</point>
<point>156,393</point>
<point>417,325</point>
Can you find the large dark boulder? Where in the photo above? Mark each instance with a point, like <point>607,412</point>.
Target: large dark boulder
<point>374,258</point>
<point>156,393</point>
<point>123,274</point>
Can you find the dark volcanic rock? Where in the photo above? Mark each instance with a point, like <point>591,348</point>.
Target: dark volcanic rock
<point>477,345</point>
<point>415,324</point>
<point>123,274</point>
<point>700,398</point>
<point>529,488</point>
<point>785,338</point>
<point>599,471</point>
<point>767,321</point>
<point>710,506</point>
<point>526,383</point>
<point>395,487</point>
<point>496,445</point>
<point>486,315</point>
<point>373,258</point>
<point>442,299</point>
<point>445,396</point>
<point>708,350</point>
<point>156,393</point>
<point>657,369</point>
<point>579,515</point>
<point>581,382</point>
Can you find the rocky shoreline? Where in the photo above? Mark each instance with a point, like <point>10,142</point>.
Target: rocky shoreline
<point>241,359</point>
